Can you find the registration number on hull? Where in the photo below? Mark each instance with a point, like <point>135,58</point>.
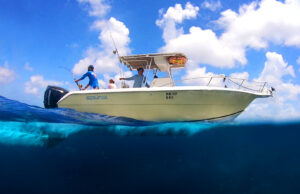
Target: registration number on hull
<point>170,95</point>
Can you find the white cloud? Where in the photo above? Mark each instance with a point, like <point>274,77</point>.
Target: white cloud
<point>37,84</point>
<point>211,5</point>
<point>96,8</point>
<point>284,105</point>
<point>102,57</point>
<point>257,24</point>
<point>240,75</point>
<point>204,47</point>
<point>275,68</point>
<point>271,110</point>
<point>254,26</point>
<point>274,71</point>
<point>27,67</point>
<point>6,74</point>
<point>175,15</point>
<point>112,32</point>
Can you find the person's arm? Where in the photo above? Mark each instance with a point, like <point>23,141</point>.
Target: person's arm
<point>84,76</point>
<point>128,78</point>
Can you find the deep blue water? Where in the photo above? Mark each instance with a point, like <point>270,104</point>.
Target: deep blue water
<point>64,151</point>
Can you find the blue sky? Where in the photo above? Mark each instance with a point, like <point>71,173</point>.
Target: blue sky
<point>252,39</point>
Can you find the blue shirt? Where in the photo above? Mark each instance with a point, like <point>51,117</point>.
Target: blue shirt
<point>138,79</point>
<point>93,79</point>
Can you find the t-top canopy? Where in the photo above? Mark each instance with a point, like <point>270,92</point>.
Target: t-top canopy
<point>161,61</point>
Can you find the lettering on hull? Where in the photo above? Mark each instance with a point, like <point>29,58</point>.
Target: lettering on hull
<point>96,98</point>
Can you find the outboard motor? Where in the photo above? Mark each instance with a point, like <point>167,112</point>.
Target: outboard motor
<point>52,95</point>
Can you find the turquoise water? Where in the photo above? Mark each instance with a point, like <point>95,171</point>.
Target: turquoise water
<point>32,125</point>
<point>65,151</point>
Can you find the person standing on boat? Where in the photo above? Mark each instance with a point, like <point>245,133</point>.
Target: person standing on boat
<point>139,79</point>
<point>92,77</point>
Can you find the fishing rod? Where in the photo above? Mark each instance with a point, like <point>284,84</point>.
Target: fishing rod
<point>70,71</point>
<point>116,52</point>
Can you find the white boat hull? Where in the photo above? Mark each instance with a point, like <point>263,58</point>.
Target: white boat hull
<point>162,104</point>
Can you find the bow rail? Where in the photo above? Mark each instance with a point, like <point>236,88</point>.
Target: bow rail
<point>224,81</point>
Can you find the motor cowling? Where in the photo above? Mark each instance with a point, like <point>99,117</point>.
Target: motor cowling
<point>52,95</point>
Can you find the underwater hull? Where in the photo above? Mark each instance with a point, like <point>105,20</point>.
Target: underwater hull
<point>163,104</point>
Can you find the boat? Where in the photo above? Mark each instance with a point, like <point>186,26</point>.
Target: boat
<point>218,98</point>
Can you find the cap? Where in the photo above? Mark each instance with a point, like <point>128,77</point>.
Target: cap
<point>91,67</point>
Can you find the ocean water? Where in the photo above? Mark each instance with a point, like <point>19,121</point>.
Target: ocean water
<point>65,151</point>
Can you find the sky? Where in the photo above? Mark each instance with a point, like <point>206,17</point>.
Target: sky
<point>42,42</point>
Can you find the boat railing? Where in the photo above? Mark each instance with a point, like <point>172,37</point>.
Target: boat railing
<point>225,82</point>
